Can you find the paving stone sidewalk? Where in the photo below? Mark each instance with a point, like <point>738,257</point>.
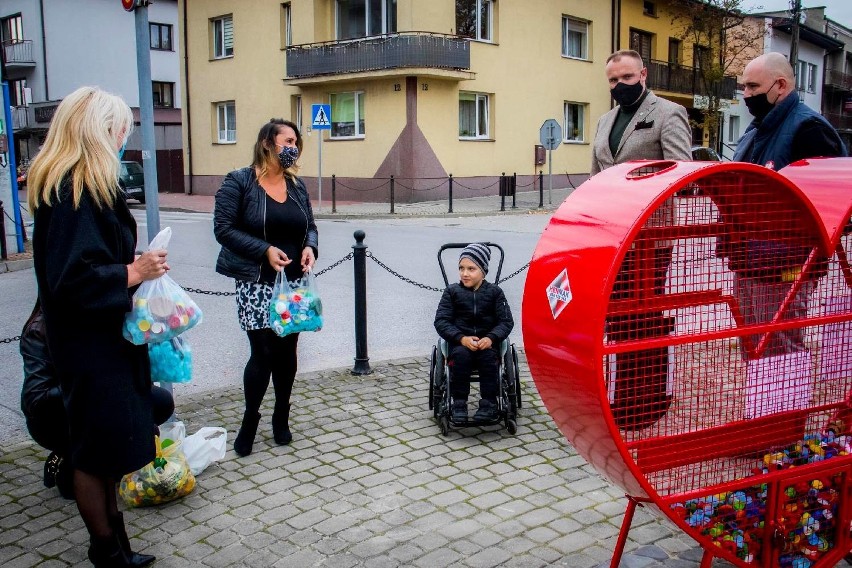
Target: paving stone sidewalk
<point>368,481</point>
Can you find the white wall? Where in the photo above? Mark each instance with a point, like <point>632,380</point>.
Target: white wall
<point>32,31</point>
<point>780,42</point>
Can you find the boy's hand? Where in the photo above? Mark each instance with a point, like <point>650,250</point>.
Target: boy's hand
<point>471,342</point>
<point>484,343</point>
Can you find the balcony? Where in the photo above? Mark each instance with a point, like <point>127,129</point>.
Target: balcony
<point>838,80</point>
<point>664,76</point>
<point>21,118</point>
<point>435,54</point>
<point>18,53</point>
<point>839,121</point>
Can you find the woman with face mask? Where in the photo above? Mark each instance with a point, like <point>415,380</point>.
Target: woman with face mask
<point>264,222</point>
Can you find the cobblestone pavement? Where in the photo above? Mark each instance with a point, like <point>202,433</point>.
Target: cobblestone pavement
<point>368,481</point>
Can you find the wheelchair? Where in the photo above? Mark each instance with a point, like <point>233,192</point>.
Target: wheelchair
<point>509,383</point>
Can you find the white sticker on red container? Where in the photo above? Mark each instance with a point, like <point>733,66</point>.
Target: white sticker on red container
<point>559,293</point>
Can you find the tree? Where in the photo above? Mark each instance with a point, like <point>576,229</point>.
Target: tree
<point>724,40</point>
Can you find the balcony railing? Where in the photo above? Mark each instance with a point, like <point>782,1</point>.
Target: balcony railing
<point>395,51</point>
<point>838,79</point>
<point>20,118</point>
<point>677,78</point>
<point>19,53</point>
<point>839,121</point>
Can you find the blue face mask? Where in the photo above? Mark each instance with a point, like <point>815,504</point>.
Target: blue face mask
<point>121,150</point>
<point>287,156</point>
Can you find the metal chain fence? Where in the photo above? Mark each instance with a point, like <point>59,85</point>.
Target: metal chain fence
<point>426,286</point>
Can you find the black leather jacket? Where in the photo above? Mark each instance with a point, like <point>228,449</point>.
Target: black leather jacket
<point>483,313</point>
<point>238,222</point>
<point>40,380</point>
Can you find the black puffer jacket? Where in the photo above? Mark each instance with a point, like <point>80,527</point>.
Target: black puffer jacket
<point>483,313</point>
<point>41,384</point>
<point>238,222</point>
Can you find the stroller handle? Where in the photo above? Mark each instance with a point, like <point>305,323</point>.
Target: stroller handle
<point>463,245</point>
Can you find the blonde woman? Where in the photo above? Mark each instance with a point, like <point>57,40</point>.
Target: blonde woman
<point>83,250</point>
<point>264,222</point>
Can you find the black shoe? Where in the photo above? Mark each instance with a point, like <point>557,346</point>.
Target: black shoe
<point>133,558</point>
<point>281,425</point>
<point>107,553</point>
<point>459,411</point>
<point>486,412</point>
<point>244,441</point>
<point>51,467</point>
<point>65,479</point>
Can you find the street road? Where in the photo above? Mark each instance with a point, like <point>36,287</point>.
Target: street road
<point>400,315</point>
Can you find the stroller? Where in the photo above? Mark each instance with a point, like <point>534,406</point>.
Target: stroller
<point>509,393</point>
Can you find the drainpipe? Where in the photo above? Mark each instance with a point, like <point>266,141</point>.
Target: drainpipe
<point>616,24</point>
<point>188,106</point>
<point>44,51</point>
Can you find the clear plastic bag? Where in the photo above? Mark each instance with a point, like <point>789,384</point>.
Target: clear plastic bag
<point>161,308</point>
<point>165,479</point>
<point>171,361</point>
<point>296,306</point>
<point>204,447</point>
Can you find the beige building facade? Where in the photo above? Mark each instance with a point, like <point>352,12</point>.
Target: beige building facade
<point>418,89</point>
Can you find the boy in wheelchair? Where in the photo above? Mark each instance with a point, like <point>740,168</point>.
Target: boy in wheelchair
<point>473,317</point>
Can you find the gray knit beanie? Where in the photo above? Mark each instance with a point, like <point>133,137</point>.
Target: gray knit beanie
<point>479,254</point>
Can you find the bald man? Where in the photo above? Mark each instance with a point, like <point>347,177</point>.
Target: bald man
<point>783,130</point>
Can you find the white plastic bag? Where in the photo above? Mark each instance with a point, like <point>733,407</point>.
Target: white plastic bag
<point>161,308</point>
<point>204,447</point>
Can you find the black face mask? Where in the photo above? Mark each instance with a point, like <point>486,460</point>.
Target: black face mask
<point>759,105</point>
<point>626,95</point>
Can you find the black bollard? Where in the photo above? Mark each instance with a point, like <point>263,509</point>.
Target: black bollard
<point>450,210</point>
<point>391,193</point>
<point>514,188</point>
<point>333,193</point>
<point>503,191</point>
<point>541,190</point>
<point>359,256</point>
<point>4,254</point>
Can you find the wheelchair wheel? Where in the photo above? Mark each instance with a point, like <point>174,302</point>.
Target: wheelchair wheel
<point>437,381</point>
<point>432,361</point>
<point>445,425</point>
<point>511,426</point>
<point>510,377</point>
<point>517,370</point>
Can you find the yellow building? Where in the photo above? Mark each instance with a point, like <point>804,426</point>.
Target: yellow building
<point>418,89</point>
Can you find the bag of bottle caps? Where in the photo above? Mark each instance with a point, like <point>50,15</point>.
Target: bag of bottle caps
<point>171,361</point>
<point>165,479</point>
<point>161,308</point>
<point>296,306</point>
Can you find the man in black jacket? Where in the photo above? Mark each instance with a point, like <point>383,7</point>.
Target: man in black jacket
<point>474,318</point>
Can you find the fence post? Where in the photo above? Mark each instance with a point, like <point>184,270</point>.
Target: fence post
<point>514,188</point>
<point>4,254</point>
<point>502,191</point>
<point>359,257</point>
<point>391,193</point>
<point>541,190</point>
<point>450,209</point>
<point>333,193</point>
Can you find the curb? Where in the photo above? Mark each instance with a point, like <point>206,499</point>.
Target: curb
<point>15,265</point>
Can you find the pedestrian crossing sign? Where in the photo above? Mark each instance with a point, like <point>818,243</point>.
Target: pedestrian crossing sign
<point>321,117</point>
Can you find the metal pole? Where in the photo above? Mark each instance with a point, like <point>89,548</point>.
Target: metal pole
<point>794,40</point>
<point>13,167</point>
<point>550,177</point>
<point>391,193</point>
<point>146,120</point>
<point>502,186</point>
<point>514,188</point>
<point>450,210</point>
<point>4,254</point>
<point>359,257</point>
<point>319,171</point>
<point>334,193</point>
<point>541,189</point>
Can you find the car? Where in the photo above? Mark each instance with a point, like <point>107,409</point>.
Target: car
<point>132,181</point>
<point>704,154</point>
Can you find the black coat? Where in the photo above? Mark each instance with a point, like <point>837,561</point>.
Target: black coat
<point>483,313</point>
<point>80,259</point>
<point>239,217</point>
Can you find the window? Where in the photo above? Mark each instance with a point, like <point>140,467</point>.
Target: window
<point>286,25</point>
<point>674,51</point>
<point>364,18</point>
<point>223,37</point>
<point>733,128</point>
<point>474,19</point>
<point>806,77</point>
<point>574,129</point>
<point>164,94</point>
<point>296,111</point>
<point>649,8</point>
<point>641,42</point>
<point>12,29</point>
<point>700,57</point>
<point>473,115</point>
<point>347,113</point>
<point>18,92</point>
<point>226,122</point>
<point>161,36</point>
<point>575,38</point>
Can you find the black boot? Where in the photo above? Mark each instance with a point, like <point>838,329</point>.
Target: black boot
<point>134,559</point>
<point>51,467</point>
<point>65,479</point>
<point>245,437</point>
<point>107,553</point>
<point>281,425</point>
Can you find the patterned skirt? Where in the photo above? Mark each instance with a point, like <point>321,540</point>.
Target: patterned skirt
<point>253,299</point>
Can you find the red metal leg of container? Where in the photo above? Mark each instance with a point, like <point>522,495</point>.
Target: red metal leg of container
<point>632,502</point>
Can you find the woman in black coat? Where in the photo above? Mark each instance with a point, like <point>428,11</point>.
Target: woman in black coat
<point>264,222</point>
<point>83,251</point>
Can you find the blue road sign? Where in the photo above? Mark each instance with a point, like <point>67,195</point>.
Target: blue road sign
<point>321,117</point>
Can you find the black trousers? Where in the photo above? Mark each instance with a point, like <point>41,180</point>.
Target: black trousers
<point>463,361</point>
<point>273,356</point>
